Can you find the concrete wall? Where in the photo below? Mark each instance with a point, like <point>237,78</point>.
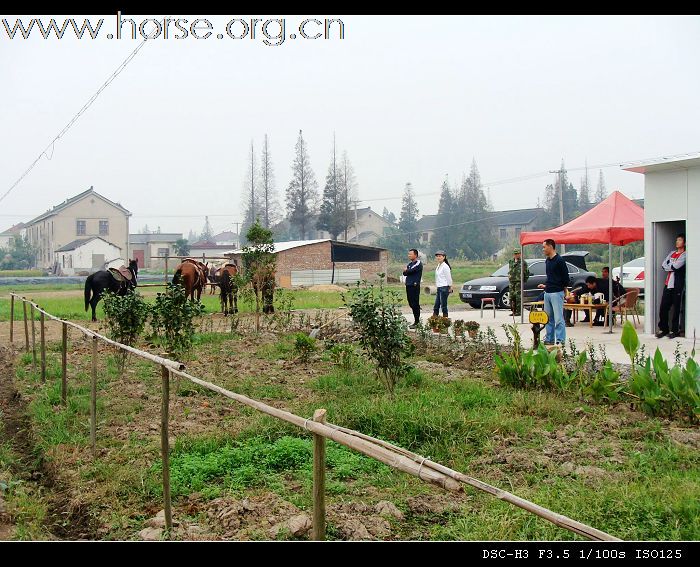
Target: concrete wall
<point>58,230</point>
<point>671,198</point>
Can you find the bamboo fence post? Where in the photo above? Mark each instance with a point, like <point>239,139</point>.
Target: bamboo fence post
<point>42,334</point>
<point>26,326</point>
<point>319,520</point>
<point>31,309</point>
<point>93,397</point>
<point>164,445</point>
<point>64,360</point>
<point>12,319</point>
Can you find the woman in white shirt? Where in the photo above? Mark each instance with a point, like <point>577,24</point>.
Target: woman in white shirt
<point>443,282</point>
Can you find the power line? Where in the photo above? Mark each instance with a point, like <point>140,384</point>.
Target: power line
<point>543,174</point>
<point>73,120</point>
<point>450,225</point>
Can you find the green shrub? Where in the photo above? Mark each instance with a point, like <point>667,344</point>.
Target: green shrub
<point>173,317</point>
<point>383,330</point>
<point>125,316</point>
<point>304,346</point>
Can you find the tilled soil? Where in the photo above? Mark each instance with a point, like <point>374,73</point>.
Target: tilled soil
<point>64,520</point>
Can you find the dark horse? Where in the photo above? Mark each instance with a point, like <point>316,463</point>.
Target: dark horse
<point>192,275</point>
<point>229,289</point>
<point>118,281</point>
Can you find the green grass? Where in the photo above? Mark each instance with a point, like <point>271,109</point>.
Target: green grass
<point>214,465</point>
<point>466,422</point>
<point>22,274</point>
<point>73,308</point>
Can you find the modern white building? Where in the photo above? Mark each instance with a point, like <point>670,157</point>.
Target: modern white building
<point>671,207</point>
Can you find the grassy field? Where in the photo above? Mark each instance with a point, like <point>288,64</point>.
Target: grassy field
<point>22,274</point>
<point>618,470</point>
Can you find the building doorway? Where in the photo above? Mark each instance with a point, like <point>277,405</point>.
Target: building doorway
<point>664,240</point>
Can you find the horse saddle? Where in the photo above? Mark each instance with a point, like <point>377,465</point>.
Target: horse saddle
<point>121,274</point>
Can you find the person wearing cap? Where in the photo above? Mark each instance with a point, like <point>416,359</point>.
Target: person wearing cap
<point>443,283</point>
<point>514,280</point>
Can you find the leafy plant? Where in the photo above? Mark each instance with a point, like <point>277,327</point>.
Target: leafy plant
<point>439,324</point>
<point>304,346</point>
<point>383,330</point>
<point>343,355</point>
<point>173,317</point>
<point>658,388</point>
<point>125,316</point>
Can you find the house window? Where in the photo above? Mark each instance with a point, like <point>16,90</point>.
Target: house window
<point>80,228</point>
<point>163,252</point>
<point>104,227</point>
<point>503,233</point>
<point>425,237</point>
<point>517,231</point>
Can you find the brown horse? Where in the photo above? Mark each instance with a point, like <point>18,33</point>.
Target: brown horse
<point>229,289</point>
<point>192,275</point>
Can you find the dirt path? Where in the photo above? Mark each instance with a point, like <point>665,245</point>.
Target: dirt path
<point>62,520</point>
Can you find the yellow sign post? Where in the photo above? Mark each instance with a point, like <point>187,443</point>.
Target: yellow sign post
<point>538,319</point>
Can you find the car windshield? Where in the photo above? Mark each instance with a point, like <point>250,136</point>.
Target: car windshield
<point>502,271</point>
<point>637,263</point>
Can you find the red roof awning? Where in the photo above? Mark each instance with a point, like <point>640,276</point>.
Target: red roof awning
<point>616,220</point>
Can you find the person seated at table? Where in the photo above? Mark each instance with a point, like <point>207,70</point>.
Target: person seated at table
<point>598,285</point>
<point>574,297</point>
<point>618,290</point>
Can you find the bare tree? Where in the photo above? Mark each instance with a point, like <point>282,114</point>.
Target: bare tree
<point>302,193</point>
<point>267,190</point>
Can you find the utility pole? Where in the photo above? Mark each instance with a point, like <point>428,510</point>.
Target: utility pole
<point>561,202</point>
<point>356,240</point>
<point>252,184</point>
<point>238,235</point>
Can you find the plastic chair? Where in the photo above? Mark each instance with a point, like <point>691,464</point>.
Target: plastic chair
<point>490,300</point>
<point>627,302</point>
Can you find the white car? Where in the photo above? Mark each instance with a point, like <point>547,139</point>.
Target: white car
<point>632,274</point>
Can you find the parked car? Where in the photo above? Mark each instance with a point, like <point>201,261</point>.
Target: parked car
<point>632,274</point>
<point>497,285</point>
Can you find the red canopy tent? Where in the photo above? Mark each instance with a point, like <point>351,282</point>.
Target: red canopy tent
<point>616,220</point>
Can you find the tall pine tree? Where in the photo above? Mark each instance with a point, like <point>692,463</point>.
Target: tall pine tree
<point>302,193</point>
<point>251,199</point>
<point>601,192</point>
<point>333,212</point>
<point>475,234</point>
<point>408,220</point>
<point>268,193</point>
<point>348,192</point>
<point>444,237</point>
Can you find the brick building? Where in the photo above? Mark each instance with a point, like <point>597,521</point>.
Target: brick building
<point>311,262</point>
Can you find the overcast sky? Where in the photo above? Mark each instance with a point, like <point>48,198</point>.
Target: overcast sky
<point>410,98</point>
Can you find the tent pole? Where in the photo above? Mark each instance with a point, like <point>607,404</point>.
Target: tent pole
<point>610,294</point>
<point>622,276</point>
<point>522,286</point>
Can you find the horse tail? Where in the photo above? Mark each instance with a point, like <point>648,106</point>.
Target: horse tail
<point>88,290</point>
<point>178,276</point>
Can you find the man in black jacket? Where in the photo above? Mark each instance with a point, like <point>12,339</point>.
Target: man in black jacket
<point>557,282</point>
<point>413,273</point>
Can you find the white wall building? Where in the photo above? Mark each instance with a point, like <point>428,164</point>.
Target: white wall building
<point>88,255</point>
<point>671,207</point>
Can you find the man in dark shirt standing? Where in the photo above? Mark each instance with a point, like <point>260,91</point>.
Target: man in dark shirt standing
<point>413,273</point>
<point>557,282</point>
